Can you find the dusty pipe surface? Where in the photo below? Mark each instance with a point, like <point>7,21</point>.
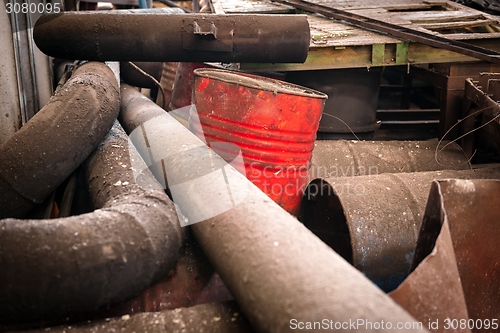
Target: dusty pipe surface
<point>57,267</point>
<point>282,276</point>
<point>182,37</point>
<point>132,76</point>
<point>471,210</point>
<point>45,151</point>
<point>204,318</point>
<point>373,221</point>
<point>343,158</point>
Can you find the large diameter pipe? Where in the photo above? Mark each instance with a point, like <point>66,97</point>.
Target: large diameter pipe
<point>282,276</point>
<point>342,158</point>
<point>373,221</point>
<point>182,37</point>
<point>45,151</point>
<point>59,267</point>
<point>192,281</point>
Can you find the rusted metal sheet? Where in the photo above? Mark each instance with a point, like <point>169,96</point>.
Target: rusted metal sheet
<point>340,158</point>
<point>45,151</point>
<point>471,209</point>
<point>204,318</point>
<point>61,267</point>
<point>182,37</point>
<point>433,293</point>
<point>254,243</point>
<point>192,281</point>
<point>373,221</point>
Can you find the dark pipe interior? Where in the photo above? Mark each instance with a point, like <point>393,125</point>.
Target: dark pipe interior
<point>322,213</point>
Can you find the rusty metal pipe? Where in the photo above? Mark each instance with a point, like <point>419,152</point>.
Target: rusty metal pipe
<point>278,271</point>
<point>57,267</point>
<point>469,208</point>
<point>182,37</point>
<point>45,151</point>
<point>342,158</point>
<point>373,221</point>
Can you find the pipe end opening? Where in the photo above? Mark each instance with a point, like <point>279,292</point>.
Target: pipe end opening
<point>323,214</point>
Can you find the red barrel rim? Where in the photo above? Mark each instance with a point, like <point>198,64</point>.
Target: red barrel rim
<point>258,82</point>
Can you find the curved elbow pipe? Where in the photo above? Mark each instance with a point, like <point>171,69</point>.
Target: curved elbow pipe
<point>53,268</point>
<point>45,151</point>
<point>182,37</point>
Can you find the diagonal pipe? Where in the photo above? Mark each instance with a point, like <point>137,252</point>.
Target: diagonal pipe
<point>282,276</point>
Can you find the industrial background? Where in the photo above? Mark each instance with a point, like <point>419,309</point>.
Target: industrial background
<point>249,166</point>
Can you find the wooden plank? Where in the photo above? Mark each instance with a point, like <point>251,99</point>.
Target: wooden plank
<point>254,6</point>
<point>463,25</point>
<point>361,57</point>
<point>323,58</point>
<point>378,54</point>
<point>402,53</point>
<point>328,33</point>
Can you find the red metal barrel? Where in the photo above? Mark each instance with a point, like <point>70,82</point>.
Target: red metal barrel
<point>273,122</point>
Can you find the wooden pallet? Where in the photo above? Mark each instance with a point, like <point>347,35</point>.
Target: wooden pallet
<point>338,45</point>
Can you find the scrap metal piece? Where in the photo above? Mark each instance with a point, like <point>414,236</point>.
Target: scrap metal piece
<point>58,267</point>
<point>281,275</point>
<point>373,221</point>
<point>174,37</point>
<point>471,209</point>
<point>433,291</point>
